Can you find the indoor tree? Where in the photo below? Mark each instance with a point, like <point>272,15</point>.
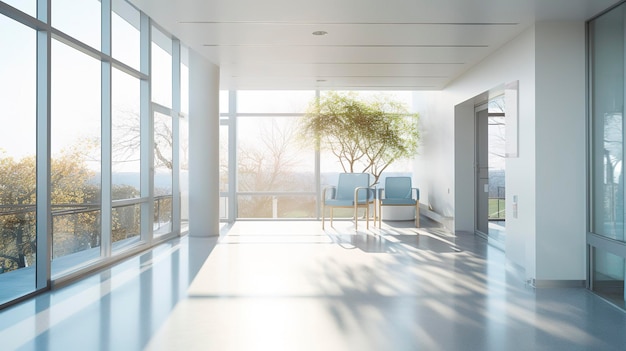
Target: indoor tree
<point>365,135</point>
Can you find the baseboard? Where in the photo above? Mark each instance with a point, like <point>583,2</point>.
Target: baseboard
<point>446,221</point>
<point>548,283</point>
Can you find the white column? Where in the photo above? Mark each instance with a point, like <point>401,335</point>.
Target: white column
<point>203,147</point>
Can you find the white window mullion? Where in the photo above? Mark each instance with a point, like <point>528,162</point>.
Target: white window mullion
<point>176,106</point>
<point>147,167</point>
<point>44,210</point>
<point>106,203</point>
<point>232,156</point>
<point>318,180</point>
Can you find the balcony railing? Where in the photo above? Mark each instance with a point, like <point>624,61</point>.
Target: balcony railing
<point>75,229</point>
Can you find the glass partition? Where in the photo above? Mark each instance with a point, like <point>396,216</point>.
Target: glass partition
<point>606,239</point>
<point>606,34</point>
<point>608,276</point>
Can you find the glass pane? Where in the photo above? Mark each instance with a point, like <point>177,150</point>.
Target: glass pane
<point>223,207</point>
<point>125,35</point>
<point>126,226</point>
<point>223,158</point>
<point>161,68</point>
<point>608,276</point>
<point>125,123</point>
<point>162,154</point>
<point>184,80</point>
<point>162,215</point>
<point>17,159</point>
<point>162,174</point>
<point>254,206</point>
<point>284,207</point>
<point>271,157</point>
<point>607,59</point>
<point>224,101</point>
<point>76,150</point>
<point>28,6</point>
<point>292,101</point>
<point>184,173</point>
<point>79,19</point>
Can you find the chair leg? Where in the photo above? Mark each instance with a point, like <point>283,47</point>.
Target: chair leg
<point>417,214</point>
<point>374,203</point>
<point>331,217</point>
<point>367,216</point>
<point>323,215</point>
<point>380,215</point>
<point>356,217</point>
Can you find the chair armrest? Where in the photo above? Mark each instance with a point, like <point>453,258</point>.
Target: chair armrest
<point>417,193</point>
<point>333,191</point>
<point>371,194</point>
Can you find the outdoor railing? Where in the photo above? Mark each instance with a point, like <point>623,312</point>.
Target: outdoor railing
<point>75,227</point>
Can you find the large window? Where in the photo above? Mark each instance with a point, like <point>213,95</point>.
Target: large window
<point>72,107</point>
<point>125,159</point>
<point>18,196</point>
<point>277,172</point>
<point>272,163</point>
<point>76,154</point>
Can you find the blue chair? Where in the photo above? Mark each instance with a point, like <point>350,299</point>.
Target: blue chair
<point>399,192</point>
<point>352,191</point>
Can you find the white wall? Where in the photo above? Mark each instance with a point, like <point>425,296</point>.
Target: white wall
<point>514,61</point>
<point>561,161</point>
<point>547,239</point>
<point>203,147</point>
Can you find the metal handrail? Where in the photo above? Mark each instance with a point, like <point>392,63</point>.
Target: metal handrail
<point>73,208</point>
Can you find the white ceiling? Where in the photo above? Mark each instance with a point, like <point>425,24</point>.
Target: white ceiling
<point>371,44</point>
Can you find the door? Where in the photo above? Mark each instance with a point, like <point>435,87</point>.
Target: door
<point>482,172</point>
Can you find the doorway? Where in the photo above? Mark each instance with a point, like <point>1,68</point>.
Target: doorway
<point>490,177</point>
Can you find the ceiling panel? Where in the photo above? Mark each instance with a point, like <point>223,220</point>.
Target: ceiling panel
<point>370,44</point>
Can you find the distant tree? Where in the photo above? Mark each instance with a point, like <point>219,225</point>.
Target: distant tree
<point>71,190</point>
<point>127,140</point>
<point>268,164</point>
<point>17,211</point>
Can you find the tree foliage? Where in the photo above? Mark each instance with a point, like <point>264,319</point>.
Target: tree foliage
<point>365,135</point>
<point>72,188</point>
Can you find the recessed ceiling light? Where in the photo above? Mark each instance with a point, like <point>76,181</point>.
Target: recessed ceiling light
<point>320,32</point>
<point>320,80</point>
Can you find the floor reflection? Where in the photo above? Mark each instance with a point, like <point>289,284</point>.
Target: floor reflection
<point>292,286</point>
<point>119,308</point>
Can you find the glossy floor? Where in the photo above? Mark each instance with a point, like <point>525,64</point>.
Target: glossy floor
<point>291,286</point>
